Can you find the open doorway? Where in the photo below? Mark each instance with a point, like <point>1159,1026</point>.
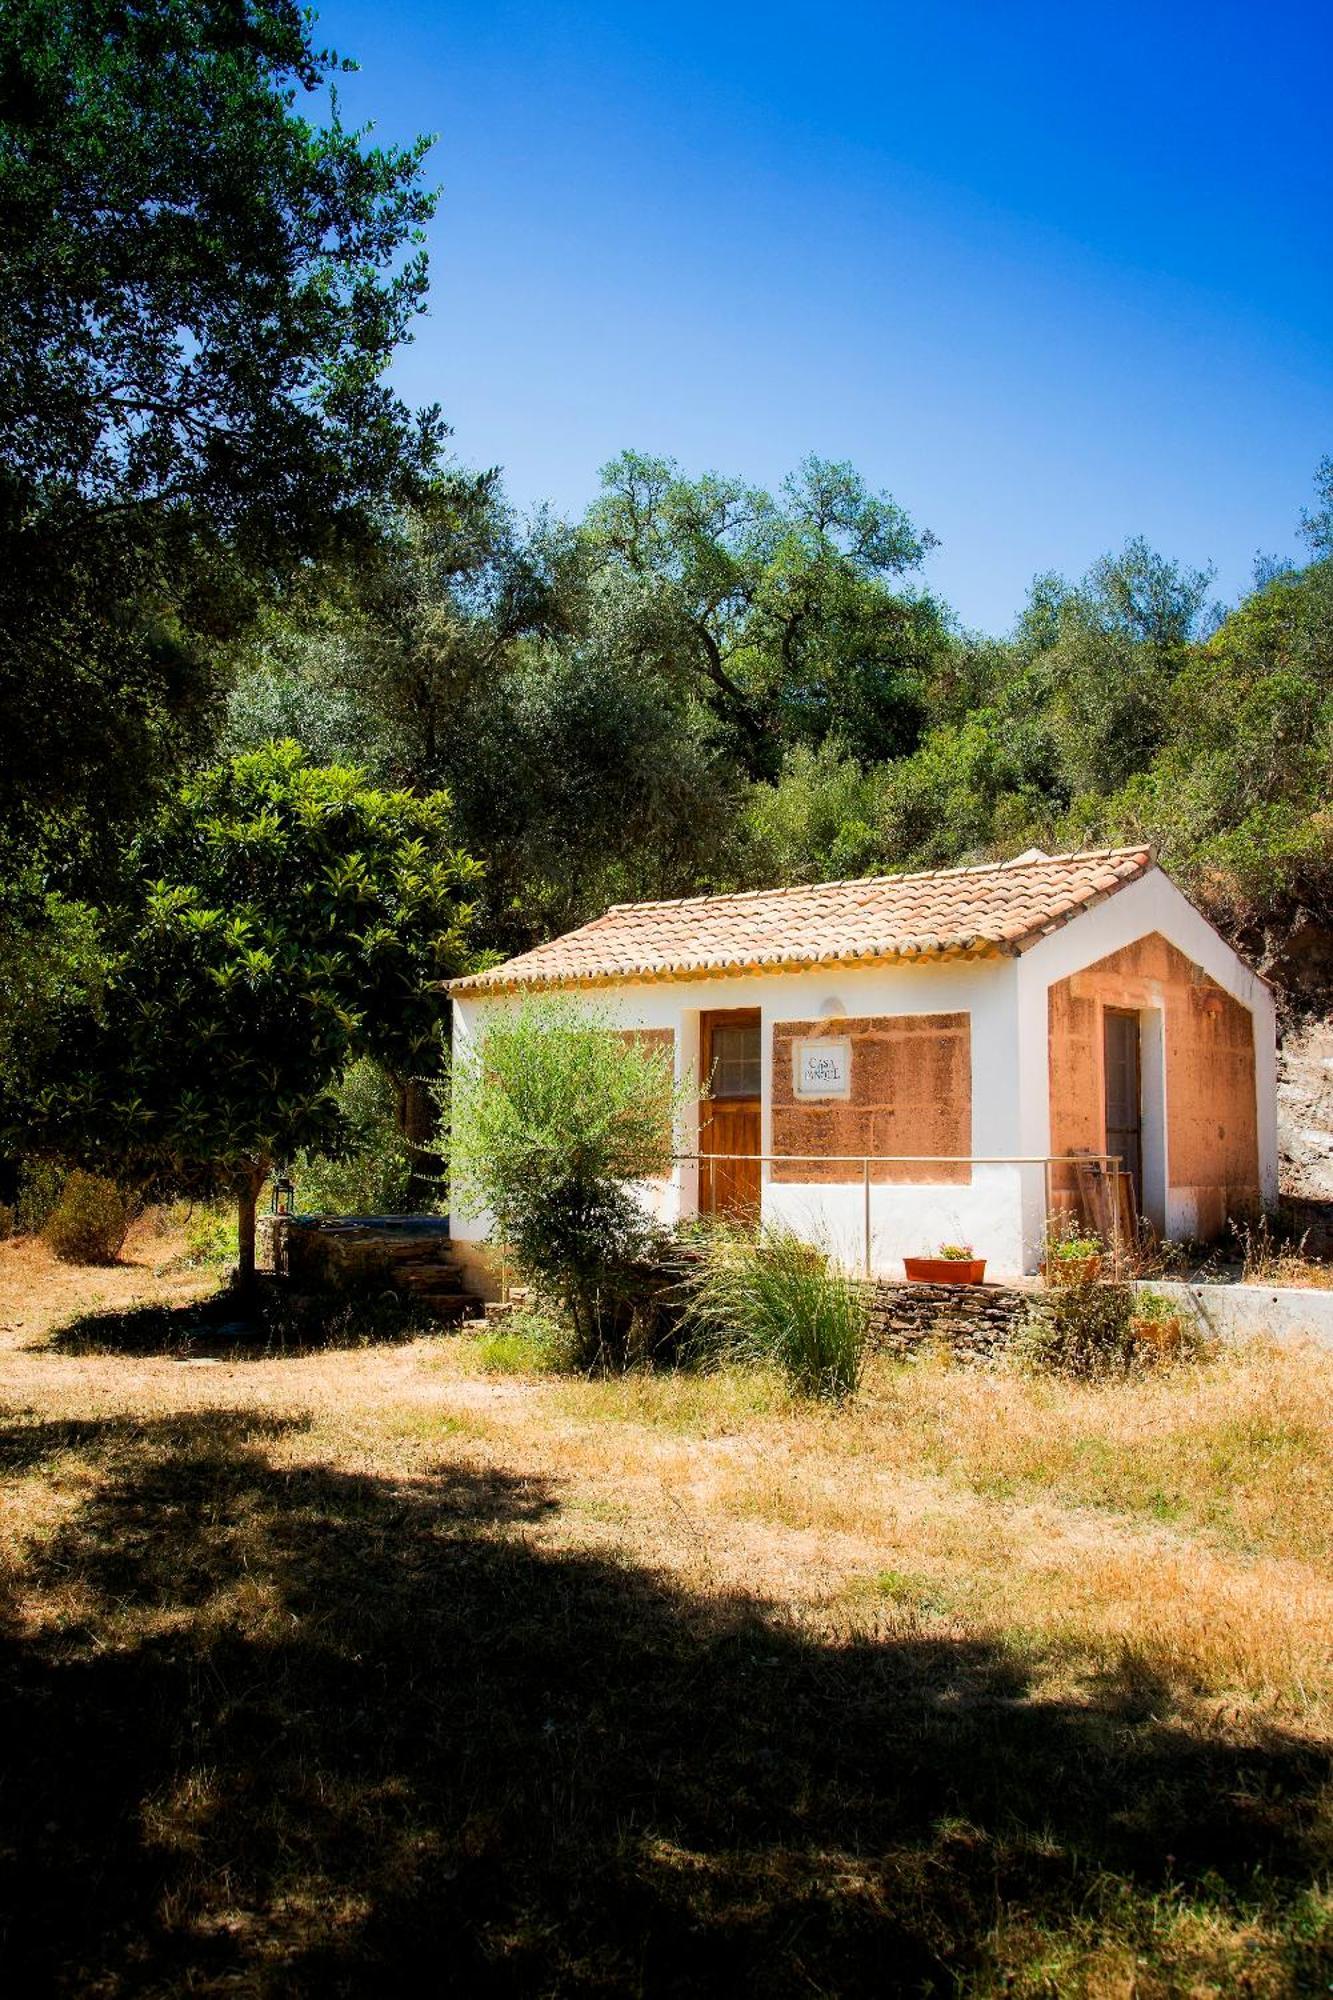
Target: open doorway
<point>1123,1070</point>
<point>730,1118</point>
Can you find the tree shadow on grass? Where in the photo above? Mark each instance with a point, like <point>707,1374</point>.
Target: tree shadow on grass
<point>298,1731</point>
<point>277,1321</point>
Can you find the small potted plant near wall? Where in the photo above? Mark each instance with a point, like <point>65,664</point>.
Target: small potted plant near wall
<point>1073,1258</point>
<point>952,1264</point>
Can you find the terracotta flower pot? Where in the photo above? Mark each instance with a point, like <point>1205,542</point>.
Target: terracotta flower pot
<point>945,1270</point>
<point>1072,1270</point>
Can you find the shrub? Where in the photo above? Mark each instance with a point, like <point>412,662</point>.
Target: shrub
<point>1067,1242</point>
<point>210,1235</point>
<point>90,1222</point>
<point>41,1183</point>
<point>783,1302</point>
<point>555,1117</point>
<point>1096,1330</point>
<point>372,1175</point>
<point>527,1343</point>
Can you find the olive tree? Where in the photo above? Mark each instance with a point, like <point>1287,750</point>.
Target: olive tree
<point>555,1117</point>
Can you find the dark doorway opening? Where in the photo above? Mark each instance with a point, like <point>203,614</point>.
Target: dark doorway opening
<point>1124,1094</point>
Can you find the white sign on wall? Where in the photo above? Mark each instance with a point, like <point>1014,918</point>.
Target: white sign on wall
<point>822,1068</point>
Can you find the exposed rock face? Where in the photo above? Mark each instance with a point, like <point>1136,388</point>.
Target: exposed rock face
<point>1305,1111</point>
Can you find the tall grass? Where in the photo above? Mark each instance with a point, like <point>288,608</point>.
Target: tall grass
<point>782,1302</point>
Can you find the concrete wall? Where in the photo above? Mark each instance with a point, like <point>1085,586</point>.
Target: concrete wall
<point>1285,1313</point>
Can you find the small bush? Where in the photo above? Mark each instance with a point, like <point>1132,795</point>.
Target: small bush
<point>210,1236</point>
<point>41,1184</point>
<point>1095,1330</point>
<point>555,1118</point>
<point>526,1343</point>
<point>91,1221</point>
<point>783,1302</point>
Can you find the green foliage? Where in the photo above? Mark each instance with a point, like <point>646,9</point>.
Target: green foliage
<point>822,821</point>
<point>587,783</point>
<point>555,1116</point>
<point>210,1234</point>
<point>373,1173</point>
<point>526,1343</point>
<point>1097,1330</point>
<point>41,1182</point>
<point>90,1221</point>
<point>200,289</point>
<point>705,686</point>
<point>290,919</point>
<point>777,612</point>
<point>1238,799</point>
<point>781,1302</point>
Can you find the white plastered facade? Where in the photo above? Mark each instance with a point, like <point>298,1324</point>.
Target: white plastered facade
<point>1000,1212</point>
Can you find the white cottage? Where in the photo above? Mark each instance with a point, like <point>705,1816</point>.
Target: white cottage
<point>898,1062</point>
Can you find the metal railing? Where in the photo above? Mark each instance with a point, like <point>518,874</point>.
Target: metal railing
<point>1109,1163</point>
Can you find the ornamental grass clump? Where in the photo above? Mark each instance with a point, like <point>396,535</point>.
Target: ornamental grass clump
<point>781,1302</point>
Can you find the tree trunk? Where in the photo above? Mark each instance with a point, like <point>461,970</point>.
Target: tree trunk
<point>248,1191</point>
<point>417,1121</point>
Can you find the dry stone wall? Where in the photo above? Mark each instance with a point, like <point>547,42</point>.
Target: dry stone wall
<point>974,1322</point>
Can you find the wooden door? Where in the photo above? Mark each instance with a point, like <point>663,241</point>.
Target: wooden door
<point>729,1116</point>
<point>1124,1094</point>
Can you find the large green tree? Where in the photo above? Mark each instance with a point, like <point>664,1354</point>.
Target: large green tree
<point>787,615</point>
<point>290,919</point>
<point>497,658</point>
<point>200,288</point>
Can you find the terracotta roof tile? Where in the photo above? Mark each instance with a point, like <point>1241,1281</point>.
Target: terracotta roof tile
<point>1003,906</point>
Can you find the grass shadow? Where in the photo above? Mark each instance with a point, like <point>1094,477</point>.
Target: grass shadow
<point>298,1731</point>
<point>276,1320</point>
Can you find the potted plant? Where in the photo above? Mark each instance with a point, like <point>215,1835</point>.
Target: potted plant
<point>1074,1258</point>
<point>1160,1327</point>
<point>952,1264</point>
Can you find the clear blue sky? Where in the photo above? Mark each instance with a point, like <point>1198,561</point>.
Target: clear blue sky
<point>1052,274</point>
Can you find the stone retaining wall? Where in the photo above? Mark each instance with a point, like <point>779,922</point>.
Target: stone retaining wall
<point>973,1321</point>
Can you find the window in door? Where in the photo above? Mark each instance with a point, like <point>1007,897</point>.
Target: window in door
<point>734,1056</point>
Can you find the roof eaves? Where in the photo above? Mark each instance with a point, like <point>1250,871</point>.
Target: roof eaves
<point>483,985</point>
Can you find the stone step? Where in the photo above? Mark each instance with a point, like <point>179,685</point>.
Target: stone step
<point>415,1250</point>
<point>451,1306</point>
<point>428,1278</point>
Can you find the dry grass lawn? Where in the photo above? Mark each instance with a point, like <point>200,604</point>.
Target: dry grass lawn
<point>393,1668</point>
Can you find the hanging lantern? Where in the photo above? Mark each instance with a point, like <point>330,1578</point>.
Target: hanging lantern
<point>284,1196</point>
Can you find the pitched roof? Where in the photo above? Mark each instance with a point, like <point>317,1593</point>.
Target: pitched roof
<point>949,912</point>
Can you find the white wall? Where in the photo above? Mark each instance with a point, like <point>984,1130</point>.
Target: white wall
<point>904,1220</point>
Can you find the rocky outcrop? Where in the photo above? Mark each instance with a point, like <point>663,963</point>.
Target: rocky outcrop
<point>1305,1112</point>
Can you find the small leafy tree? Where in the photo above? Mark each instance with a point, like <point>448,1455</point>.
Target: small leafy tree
<point>290,919</point>
<point>555,1116</point>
